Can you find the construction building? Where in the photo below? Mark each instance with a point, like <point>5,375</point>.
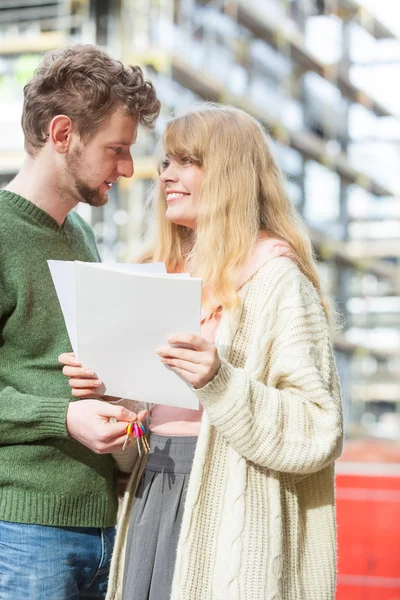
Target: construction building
<point>311,72</point>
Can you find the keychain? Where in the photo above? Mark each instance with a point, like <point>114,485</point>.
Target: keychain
<point>136,430</point>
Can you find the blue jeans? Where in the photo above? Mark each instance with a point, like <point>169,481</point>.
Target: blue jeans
<point>54,563</point>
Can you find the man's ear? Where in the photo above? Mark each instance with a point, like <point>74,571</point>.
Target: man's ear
<point>60,131</point>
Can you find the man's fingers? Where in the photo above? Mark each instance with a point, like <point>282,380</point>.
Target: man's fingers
<point>142,415</point>
<point>116,431</point>
<point>85,383</point>
<point>79,372</point>
<point>118,412</point>
<point>85,393</point>
<point>112,445</point>
<point>69,358</point>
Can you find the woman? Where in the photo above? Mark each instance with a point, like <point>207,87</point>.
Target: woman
<point>258,520</point>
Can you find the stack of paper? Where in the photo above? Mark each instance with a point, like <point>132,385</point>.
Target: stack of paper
<point>118,315</point>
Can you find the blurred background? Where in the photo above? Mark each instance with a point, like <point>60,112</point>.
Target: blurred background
<point>323,76</point>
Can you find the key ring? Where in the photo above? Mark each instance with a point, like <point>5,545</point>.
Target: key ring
<point>135,430</point>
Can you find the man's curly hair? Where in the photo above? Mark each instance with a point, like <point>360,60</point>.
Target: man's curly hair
<point>85,84</point>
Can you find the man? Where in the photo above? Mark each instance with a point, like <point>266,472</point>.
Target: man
<point>58,502</point>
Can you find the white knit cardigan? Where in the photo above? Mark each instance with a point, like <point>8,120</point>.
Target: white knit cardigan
<point>259,518</point>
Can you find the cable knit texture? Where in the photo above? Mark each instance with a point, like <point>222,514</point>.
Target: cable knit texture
<point>259,519</point>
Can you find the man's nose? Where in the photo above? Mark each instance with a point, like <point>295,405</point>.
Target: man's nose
<point>126,167</point>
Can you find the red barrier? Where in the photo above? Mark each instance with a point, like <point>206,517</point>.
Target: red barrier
<point>368,515</point>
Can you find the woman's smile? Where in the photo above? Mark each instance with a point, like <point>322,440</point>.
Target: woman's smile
<point>175,195</point>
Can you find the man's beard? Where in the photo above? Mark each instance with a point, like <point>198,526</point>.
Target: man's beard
<point>79,188</point>
<point>91,196</point>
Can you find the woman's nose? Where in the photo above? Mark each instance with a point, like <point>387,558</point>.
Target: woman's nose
<point>169,174</point>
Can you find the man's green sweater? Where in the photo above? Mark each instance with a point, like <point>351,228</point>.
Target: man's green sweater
<point>46,477</point>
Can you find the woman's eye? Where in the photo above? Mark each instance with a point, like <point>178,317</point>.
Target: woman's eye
<point>186,160</point>
<point>164,165</point>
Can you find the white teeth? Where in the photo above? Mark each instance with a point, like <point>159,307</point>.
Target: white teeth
<point>109,184</point>
<point>175,195</point>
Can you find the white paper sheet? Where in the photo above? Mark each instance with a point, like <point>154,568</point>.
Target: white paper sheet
<point>121,318</point>
<point>151,268</point>
<point>63,275</point>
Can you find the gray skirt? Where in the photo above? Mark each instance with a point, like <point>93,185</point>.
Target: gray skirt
<point>156,517</point>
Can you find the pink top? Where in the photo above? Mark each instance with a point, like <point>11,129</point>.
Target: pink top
<point>172,421</point>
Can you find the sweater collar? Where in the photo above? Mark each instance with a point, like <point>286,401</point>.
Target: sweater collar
<point>33,212</point>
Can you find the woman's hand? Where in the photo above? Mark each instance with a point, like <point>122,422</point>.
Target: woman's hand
<point>195,359</point>
<point>84,382</point>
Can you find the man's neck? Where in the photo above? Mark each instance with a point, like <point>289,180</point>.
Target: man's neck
<point>35,183</point>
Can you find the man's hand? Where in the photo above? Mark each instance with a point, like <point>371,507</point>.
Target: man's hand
<point>84,382</point>
<point>88,421</point>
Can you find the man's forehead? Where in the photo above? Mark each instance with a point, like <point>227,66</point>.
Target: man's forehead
<point>122,131</point>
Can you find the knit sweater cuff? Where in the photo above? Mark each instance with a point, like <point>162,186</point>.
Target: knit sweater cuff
<point>218,385</point>
<point>52,418</point>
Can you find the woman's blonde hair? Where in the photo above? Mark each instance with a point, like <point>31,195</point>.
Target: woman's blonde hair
<point>242,193</point>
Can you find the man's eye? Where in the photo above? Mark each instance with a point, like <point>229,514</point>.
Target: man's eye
<point>117,150</point>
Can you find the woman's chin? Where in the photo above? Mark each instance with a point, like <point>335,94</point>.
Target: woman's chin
<point>180,219</point>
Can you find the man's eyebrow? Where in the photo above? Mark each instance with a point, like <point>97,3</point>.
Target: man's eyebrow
<point>122,143</point>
